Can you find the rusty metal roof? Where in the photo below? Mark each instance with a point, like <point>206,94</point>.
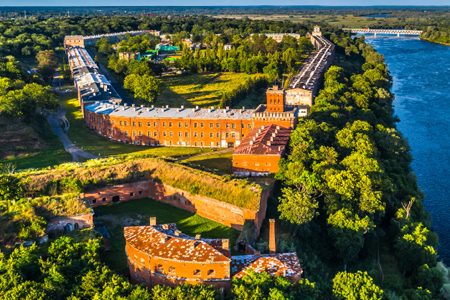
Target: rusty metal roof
<point>265,140</point>
<point>284,264</point>
<point>162,241</point>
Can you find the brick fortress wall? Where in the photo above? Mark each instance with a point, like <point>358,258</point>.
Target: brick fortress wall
<point>221,212</point>
<point>76,222</point>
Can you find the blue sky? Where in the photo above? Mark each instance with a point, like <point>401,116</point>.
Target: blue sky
<point>221,3</point>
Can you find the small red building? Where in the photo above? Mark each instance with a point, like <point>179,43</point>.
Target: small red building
<point>260,152</point>
<point>163,255</point>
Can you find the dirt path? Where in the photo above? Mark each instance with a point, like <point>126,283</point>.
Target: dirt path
<point>60,125</point>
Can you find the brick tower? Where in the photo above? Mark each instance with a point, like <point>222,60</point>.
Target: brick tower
<point>275,99</point>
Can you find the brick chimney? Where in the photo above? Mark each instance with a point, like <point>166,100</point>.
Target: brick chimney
<point>226,244</point>
<point>152,221</point>
<point>272,243</point>
<point>198,236</point>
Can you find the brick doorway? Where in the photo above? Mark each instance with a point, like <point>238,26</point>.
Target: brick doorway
<point>115,199</point>
<point>230,145</point>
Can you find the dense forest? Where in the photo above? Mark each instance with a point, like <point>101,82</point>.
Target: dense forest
<point>348,192</point>
<point>392,11</point>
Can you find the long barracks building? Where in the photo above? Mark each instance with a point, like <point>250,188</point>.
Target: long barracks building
<point>191,127</point>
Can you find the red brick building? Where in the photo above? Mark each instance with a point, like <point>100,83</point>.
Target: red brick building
<point>161,254</point>
<point>193,127</point>
<point>260,152</point>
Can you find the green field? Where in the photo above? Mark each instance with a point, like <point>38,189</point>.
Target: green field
<point>203,89</point>
<point>221,162</point>
<point>348,21</point>
<point>138,212</point>
<point>96,144</point>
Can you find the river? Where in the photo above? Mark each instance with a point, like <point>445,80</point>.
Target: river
<point>421,77</point>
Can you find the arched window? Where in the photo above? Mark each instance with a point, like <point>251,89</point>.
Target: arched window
<point>197,273</point>
<point>76,226</point>
<point>68,227</point>
<point>160,268</point>
<point>211,273</point>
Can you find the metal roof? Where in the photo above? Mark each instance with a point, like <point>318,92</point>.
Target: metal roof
<point>165,112</point>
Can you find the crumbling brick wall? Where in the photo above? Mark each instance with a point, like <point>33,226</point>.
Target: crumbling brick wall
<point>221,212</point>
<point>76,222</point>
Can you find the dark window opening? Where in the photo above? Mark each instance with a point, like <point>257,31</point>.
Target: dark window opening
<point>115,199</point>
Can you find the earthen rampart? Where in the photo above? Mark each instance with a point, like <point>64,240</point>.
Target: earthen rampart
<point>221,212</point>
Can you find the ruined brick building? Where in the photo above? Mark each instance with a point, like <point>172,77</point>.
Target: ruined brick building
<point>161,254</point>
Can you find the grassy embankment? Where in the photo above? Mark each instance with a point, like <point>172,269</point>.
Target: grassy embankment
<point>96,144</point>
<point>138,212</point>
<point>32,145</point>
<point>221,162</point>
<point>99,173</point>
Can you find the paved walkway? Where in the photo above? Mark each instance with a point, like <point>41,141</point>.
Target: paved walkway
<point>56,121</point>
<point>59,124</point>
<point>205,154</point>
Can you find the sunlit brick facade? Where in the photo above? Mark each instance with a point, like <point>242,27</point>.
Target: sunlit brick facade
<point>163,255</point>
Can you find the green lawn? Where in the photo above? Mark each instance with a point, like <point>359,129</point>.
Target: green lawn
<point>221,162</point>
<point>203,89</point>
<point>96,144</point>
<point>138,212</point>
<point>29,156</point>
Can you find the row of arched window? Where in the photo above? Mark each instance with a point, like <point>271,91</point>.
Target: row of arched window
<point>171,271</point>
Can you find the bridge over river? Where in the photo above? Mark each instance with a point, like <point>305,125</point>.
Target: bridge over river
<point>397,32</point>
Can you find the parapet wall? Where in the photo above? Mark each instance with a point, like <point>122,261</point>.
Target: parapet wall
<point>221,212</point>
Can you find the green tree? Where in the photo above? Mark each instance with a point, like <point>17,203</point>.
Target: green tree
<point>47,58</point>
<point>415,247</point>
<point>145,88</point>
<point>10,188</point>
<point>356,286</point>
<point>297,207</point>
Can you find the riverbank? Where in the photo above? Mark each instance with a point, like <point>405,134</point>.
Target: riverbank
<point>434,42</point>
<point>423,109</point>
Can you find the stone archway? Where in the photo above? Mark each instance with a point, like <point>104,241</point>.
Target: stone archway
<point>68,227</point>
